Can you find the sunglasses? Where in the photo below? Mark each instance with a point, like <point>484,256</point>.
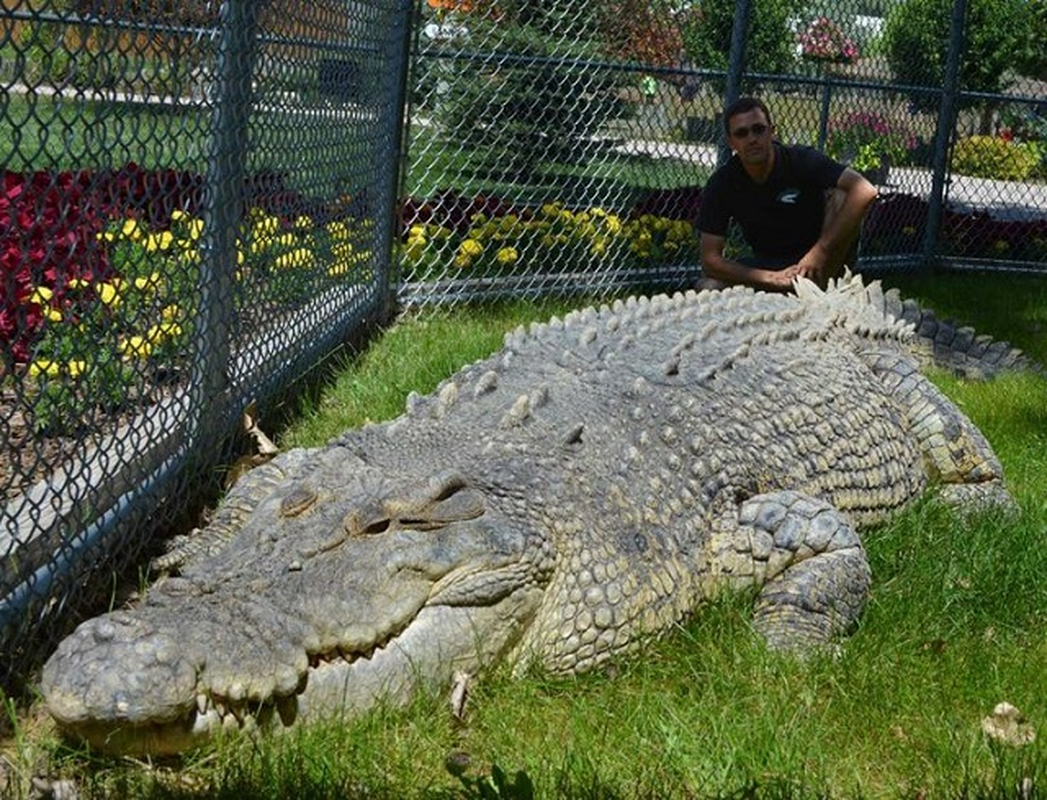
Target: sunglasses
<point>759,129</point>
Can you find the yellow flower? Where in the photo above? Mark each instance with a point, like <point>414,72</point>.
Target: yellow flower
<point>470,248</point>
<point>53,314</point>
<point>260,243</point>
<point>302,257</point>
<point>195,228</point>
<point>76,368</point>
<point>132,229</point>
<point>159,241</point>
<point>45,367</point>
<point>105,236</point>
<point>178,214</point>
<point>614,224</point>
<point>165,330</point>
<point>171,312</point>
<point>77,283</point>
<point>304,222</point>
<point>135,347</point>
<point>341,267</point>
<point>287,240</point>
<point>152,283</point>
<point>267,226</point>
<point>41,296</point>
<point>338,229</point>
<point>108,294</point>
<point>507,255</point>
<point>415,248</point>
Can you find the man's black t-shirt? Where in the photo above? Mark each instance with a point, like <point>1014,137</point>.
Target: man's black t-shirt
<point>780,218</point>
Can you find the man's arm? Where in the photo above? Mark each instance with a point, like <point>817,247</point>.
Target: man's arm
<point>718,267</point>
<point>842,225</point>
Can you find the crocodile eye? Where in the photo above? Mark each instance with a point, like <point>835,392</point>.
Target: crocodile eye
<point>300,499</point>
<point>446,485</point>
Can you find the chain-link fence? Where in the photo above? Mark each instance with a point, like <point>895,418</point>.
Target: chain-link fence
<point>195,208</point>
<point>200,199</point>
<point>563,147</point>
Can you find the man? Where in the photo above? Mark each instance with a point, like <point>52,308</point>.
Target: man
<point>800,211</point>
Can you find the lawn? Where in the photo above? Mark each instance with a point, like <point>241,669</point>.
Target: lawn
<point>955,626</point>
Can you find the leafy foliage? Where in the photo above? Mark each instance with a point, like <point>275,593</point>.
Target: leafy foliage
<point>1031,57</point>
<point>530,107</point>
<point>770,42</point>
<point>638,30</point>
<point>995,157</point>
<point>916,35</point>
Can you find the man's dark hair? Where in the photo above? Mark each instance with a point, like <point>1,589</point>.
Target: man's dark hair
<point>741,106</point>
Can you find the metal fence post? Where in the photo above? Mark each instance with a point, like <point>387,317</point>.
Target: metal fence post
<point>223,206</point>
<point>736,62</point>
<point>944,131</point>
<point>396,155</point>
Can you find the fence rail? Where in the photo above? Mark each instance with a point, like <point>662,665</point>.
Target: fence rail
<point>197,208</point>
<point>179,240</point>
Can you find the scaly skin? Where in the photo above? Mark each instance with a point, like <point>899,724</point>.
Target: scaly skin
<point>559,503</point>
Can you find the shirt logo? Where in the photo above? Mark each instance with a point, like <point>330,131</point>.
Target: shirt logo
<point>789,197</point>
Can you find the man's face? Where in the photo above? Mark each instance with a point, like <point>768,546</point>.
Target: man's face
<point>749,135</point>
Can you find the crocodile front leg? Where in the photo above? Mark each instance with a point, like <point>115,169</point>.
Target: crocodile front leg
<point>807,558</point>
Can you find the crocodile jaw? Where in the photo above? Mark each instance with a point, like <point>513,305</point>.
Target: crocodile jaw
<point>439,641</point>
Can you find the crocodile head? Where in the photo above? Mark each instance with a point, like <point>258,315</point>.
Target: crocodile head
<point>325,600</point>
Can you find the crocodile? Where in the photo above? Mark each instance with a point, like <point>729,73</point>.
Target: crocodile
<point>564,501</point>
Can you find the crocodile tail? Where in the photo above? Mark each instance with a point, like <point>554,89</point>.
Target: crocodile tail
<point>957,348</point>
<point>933,342</point>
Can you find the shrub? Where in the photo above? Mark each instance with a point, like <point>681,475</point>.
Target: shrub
<point>862,137</point>
<point>995,157</point>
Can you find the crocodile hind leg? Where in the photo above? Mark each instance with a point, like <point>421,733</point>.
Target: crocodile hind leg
<point>955,453</point>
<point>807,558</point>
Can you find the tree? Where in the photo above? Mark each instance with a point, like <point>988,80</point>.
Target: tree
<point>916,35</point>
<point>642,31</point>
<point>770,43</point>
<point>1031,59</point>
<point>535,102</point>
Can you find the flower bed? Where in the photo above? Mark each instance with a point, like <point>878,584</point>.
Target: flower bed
<point>100,285</point>
<point>866,139</point>
<point>484,236</point>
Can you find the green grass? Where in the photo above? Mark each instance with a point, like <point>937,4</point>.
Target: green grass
<point>955,625</point>
<point>44,132</point>
<point>615,178</point>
